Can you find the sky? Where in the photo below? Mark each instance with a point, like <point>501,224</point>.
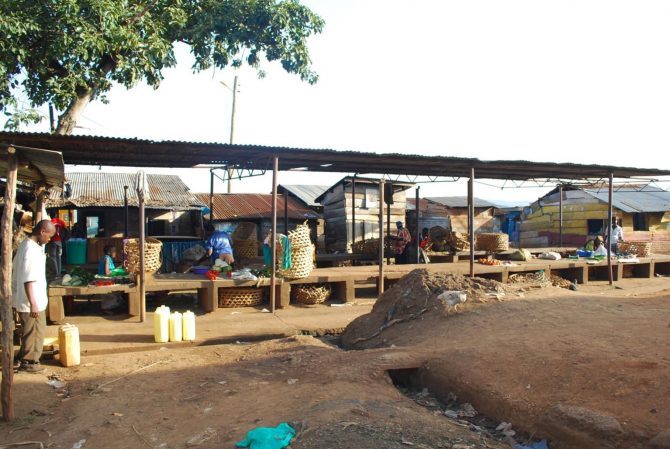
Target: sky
<point>572,81</point>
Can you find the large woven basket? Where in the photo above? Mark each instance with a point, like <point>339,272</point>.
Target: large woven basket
<point>370,247</point>
<point>311,294</point>
<point>240,297</point>
<point>303,253</point>
<point>492,242</point>
<point>640,249</point>
<point>459,241</point>
<point>245,240</point>
<point>152,254</point>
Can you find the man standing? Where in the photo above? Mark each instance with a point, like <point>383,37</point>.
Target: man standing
<point>29,290</point>
<point>401,240</point>
<point>55,246</point>
<point>616,236</point>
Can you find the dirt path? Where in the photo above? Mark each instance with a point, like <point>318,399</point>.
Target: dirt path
<point>543,360</point>
<point>211,396</point>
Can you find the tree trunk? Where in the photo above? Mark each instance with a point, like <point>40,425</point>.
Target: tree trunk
<point>68,119</point>
<point>6,314</point>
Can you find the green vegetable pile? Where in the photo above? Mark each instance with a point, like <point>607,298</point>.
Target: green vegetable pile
<point>78,276</point>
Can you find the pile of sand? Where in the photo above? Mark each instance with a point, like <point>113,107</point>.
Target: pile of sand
<point>414,296</point>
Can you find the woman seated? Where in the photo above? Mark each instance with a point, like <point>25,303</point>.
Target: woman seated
<point>106,265</point>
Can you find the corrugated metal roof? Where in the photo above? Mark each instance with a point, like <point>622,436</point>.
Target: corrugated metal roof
<point>99,189</point>
<point>254,206</point>
<point>305,193</point>
<point>98,150</point>
<point>36,166</point>
<point>459,201</point>
<point>646,199</point>
<point>398,186</point>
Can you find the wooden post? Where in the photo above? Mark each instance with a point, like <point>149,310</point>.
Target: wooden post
<point>471,219</point>
<point>417,227</point>
<point>273,271</point>
<point>126,212</point>
<point>285,212</point>
<point>40,193</point>
<point>6,280</point>
<point>232,132</point>
<point>211,195</point>
<point>609,230</point>
<point>388,218</point>
<point>353,212</point>
<point>382,245</point>
<point>560,215</point>
<point>141,191</point>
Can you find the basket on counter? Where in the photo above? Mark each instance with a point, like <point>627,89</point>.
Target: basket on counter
<point>459,241</point>
<point>311,294</point>
<point>370,247</point>
<point>152,254</point>
<point>640,249</point>
<point>303,253</point>
<point>245,240</point>
<point>492,242</point>
<point>240,297</point>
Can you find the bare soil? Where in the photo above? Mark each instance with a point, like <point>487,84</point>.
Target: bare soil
<point>539,352</point>
<point>570,366</point>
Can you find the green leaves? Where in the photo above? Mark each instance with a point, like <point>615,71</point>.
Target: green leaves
<point>63,51</point>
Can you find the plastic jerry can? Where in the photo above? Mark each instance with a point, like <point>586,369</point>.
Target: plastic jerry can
<point>68,345</point>
<point>188,326</point>
<point>161,324</point>
<point>175,326</point>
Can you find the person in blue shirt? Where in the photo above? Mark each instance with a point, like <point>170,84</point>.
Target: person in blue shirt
<point>106,264</point>
<point>219,246</point>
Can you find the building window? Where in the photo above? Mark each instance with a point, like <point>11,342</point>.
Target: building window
<point>640,222</point>
<point>596,227</point>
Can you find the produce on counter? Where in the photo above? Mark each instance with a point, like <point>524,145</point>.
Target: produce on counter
<point>492,262</point>
<point>212,275</point>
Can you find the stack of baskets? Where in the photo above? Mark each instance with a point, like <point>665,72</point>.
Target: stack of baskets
<point>492,242</point>
<point>311,294</point>
<point>241,297</point>
<point>302,253</point>
<point>640,249</point>
<point>152,255</point>
<point>370,247</point>
<point>459,241</point>
<point>245,240</point>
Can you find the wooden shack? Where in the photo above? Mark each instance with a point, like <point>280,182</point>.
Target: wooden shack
<point>642,210</point>
<point>451,212</point>
<point>353,202</point>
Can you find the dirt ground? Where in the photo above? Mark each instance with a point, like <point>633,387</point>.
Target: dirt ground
<point>599,352</point>
<point>588,368</point>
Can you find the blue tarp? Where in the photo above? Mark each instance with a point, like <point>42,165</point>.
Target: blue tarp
<point>538,445</point>
<point>268,437</point>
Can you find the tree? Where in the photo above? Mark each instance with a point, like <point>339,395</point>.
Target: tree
<point>70,52</point>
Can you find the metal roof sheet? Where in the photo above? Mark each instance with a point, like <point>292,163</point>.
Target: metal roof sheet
<point>254,206</point>
<point>459,201</point>
<point>36,166</point>
<point>305,193</point>
<point>647,199</point>
<point>398,186</point>
<point>95,150</point>
<point>100,189</point>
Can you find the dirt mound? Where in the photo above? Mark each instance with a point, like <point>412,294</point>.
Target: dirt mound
<point>416,294</point>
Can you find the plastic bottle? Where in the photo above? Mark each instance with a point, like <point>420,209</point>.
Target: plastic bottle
<point>188,326</point>
<point>175,326</point>
<point>161,324</point>
<point>68,345</point>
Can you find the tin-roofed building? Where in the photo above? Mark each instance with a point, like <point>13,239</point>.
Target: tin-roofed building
<point>642,210</point>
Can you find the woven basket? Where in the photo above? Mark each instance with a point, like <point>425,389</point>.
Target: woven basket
<point>311,294</point>
<point>300,236</point>
<point>459,241</point>
<point>640,249</point>
<point>245,241</point>
<point>152,254</point>
<point>492,242</point>
<point>240,297</point>
<point>370,247</point>
<point>302,263</point>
